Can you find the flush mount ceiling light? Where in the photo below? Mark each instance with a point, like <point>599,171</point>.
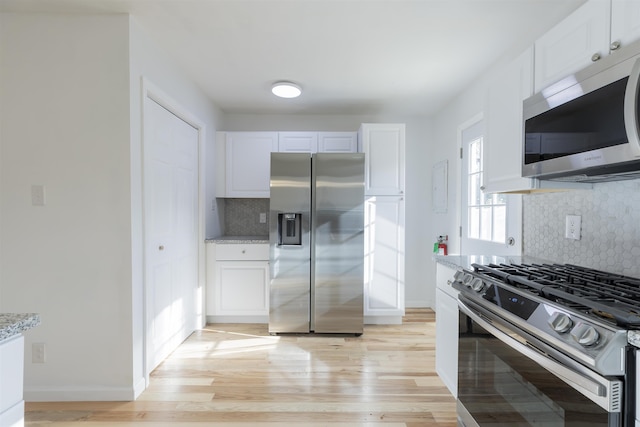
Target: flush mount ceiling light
<point>286,90</point>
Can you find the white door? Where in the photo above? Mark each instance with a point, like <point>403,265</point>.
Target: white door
<point>171,230</point>
<point>491,224</point>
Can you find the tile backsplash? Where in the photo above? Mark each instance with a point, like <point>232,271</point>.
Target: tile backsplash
<point>610,234</point>
<point>242,217</point>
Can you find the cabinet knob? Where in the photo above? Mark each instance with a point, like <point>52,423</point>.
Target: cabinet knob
<point>161,248</point>
<point>595,57</point>
<point>401,192</point>
<point>615,45</point>
<point>244,251</point>
<point>482,187</point>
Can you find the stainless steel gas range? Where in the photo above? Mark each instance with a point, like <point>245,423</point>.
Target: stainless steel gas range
<point>547,345</point>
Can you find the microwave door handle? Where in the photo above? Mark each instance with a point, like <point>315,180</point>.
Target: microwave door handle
<point>631,109</point>
<point>598,390</point>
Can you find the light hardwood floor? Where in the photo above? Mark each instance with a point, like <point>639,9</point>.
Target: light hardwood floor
<point>238,375</point>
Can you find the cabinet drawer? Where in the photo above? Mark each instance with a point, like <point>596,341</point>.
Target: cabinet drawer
<point>242,252</point>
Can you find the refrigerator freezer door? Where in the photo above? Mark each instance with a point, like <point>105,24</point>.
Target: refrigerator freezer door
<point>338,234</point>
<point>290,258</point>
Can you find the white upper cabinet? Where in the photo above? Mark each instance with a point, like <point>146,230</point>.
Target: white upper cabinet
<point>596,29</point>
<point>384,148</point>
<point>297,142</point>
<point>625,21</point>
<point>337,142</point>
<point>502,155</point>
<point>247,163</point>
<point>322,142</point>
<point>503,144</point>
<point>573,43</point>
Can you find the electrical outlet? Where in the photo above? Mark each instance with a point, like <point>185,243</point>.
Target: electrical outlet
<point>37,352</point>
<point>37,195</point>
<point>572,227</point>
<point>263,217</point>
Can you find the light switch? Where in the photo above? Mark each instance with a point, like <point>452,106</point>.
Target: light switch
<point>37,195</point>
<point>263,217</point>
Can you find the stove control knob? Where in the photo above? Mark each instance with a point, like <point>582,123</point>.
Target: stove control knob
<point>477,284</point>
<point>585,335</point>
<point>466,279</point>
<point>560,322</point>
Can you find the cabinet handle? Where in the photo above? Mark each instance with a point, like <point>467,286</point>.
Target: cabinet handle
<point>615,45</point>
<point>595,57</point>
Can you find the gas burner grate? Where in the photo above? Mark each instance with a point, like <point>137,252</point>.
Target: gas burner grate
<point>608,296</point>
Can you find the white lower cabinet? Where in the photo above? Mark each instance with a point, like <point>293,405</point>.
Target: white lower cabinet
<point>237,283</point>
<point>446,329</point>
<point>11,381</point>
<point>384,260</point>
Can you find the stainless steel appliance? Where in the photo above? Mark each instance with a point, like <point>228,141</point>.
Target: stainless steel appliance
<point>546,345</point>
<point>585,127</point>
<point>316,236</point>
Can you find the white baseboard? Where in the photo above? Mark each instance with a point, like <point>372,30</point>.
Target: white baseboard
<point>419,304</point>
<point>76,394</point>
<point>383,320</point>
<point>238,319</point>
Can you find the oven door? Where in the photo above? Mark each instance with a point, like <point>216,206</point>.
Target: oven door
<point>508,378</point>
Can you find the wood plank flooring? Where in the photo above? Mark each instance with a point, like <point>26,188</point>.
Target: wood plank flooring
<point>238,375</point>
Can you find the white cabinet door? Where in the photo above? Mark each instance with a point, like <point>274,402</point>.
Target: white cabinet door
<point>384,259</point>
<point>11,381</point>
<point>248,163</point>
<point>446,329</point>
<point>337,142</point>
<point>237,282</point>
<point>384,148</point>
<point>502,153</point>
<point>625,21</point>
<point>503,147</point>
<point>297,142</point>
<point>572,43</point>
<point>241,288</point>
<point>447,340</point>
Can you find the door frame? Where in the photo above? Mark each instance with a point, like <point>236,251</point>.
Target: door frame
<point>155,94</point>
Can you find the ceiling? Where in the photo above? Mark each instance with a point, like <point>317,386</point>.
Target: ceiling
<point>407,57</point>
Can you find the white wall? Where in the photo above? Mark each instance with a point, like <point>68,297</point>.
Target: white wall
<point>70,120</point>
<point>418,241</point>
<point>65,125</point>
<point>445,145</point>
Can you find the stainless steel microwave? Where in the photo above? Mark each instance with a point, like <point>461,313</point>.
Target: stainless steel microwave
<point>585,127</point>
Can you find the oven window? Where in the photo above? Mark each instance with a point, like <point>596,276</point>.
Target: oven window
<point>500,387</point>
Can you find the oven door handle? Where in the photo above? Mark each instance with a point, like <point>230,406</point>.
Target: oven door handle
<point>604,392</point>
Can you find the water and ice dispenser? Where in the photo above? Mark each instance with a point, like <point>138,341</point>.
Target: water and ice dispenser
<point>289,229</point>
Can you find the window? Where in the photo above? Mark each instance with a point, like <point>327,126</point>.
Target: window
<point>487,213</point>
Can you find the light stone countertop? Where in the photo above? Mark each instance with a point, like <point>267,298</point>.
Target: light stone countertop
<point>238,239</point>
<point>15,323</point>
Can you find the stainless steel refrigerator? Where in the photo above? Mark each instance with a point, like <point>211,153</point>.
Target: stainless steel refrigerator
<point>316,236</point>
